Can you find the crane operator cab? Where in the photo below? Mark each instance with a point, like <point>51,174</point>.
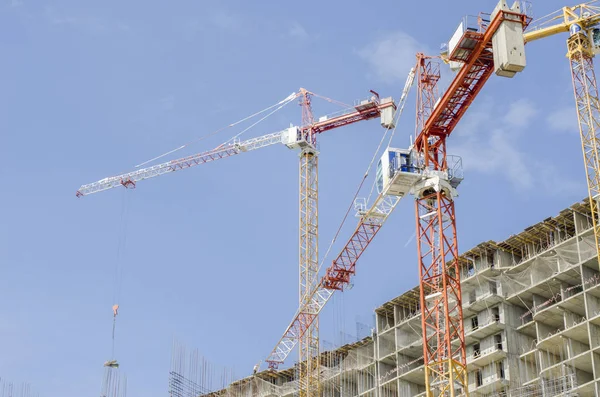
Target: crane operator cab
<point>397,171</point>
<point>592,34</point>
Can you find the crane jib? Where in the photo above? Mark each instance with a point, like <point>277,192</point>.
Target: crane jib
<point>477,68</point>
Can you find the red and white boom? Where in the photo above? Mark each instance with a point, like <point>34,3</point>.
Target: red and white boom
<point>293,137</point>
<point>495,45</point>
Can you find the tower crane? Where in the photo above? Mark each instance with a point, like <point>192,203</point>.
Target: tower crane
<point>338,275</point>
<point>495,44</point>
<point>303,138</point>
<point>581,22</point>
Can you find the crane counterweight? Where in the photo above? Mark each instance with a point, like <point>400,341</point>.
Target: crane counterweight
<point>508,43</point>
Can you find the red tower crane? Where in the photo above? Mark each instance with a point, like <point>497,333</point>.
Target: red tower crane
<point>479,51</point>
<point>495,44</point>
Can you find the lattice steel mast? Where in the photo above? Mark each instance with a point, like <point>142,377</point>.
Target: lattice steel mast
<point>496,45</point>
<point>439,275</point>
<point>582,45</point>
<point>338,275</point>
<point>309,250</point>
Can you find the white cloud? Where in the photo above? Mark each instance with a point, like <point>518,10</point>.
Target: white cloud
<point>489,140</point>
<point>493,152</point>
<point>298,31</point>
<point>16,3</point>
<point>563,120</point>
<point>392,56</point>
<point>520,113</point>
<point>552,181</point>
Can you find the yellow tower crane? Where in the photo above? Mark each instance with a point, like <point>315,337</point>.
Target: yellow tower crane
<point>581,22</point>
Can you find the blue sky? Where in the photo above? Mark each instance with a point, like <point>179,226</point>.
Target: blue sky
<point>209,255</point>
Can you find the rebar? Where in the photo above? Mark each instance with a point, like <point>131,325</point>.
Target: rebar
<point>10,389</point>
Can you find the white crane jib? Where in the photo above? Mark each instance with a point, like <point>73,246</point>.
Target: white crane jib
<point>290,137</point>
<point>293,137</point>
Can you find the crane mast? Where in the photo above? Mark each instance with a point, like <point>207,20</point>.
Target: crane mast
<point>440,293</point>
<point>308,376</point>
<point>437,245</point>
<point>338,275</point>
<point>585,90</point>
<point>308,356</point>
<point>581,21</point>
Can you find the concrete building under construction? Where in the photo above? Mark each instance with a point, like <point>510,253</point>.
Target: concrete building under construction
<point>531,321</point>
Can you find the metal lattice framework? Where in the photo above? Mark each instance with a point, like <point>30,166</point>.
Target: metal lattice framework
<point>131,178</point>
<point>440,291</point>
<point>337,275</point>
<point>309,384</point>
<point>437,244</point>
<point>585,89</point>
<point>365,111</point>
<point>581,18</point>
<point>441,299</point>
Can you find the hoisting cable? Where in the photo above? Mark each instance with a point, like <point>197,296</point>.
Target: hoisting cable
<point>285,102</point>
<point>546,19</point>
<point>287,99</point>
<point>118,276</point>
<point>401,102</point>
<point>345,105</point>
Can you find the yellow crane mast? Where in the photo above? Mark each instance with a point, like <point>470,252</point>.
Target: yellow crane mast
<point>308,353</point>
<point>581,22</point>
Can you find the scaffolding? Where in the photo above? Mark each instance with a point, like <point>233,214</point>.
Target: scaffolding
<point>344,371</point>
<point>563,386</point>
